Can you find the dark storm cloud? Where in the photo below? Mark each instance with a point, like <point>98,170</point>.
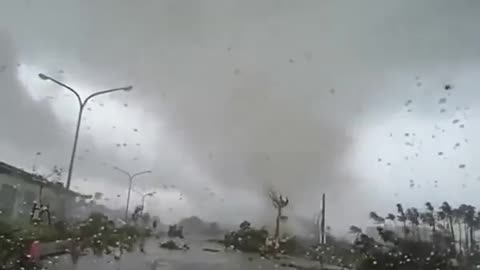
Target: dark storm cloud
<point>256,94</point>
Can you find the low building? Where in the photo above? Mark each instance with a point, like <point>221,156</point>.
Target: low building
<point>20,191</point>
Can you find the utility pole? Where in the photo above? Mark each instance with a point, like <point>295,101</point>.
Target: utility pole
<point>323,221</point>
<point>322,228</point>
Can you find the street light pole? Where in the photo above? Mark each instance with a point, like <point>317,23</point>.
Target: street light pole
<point>82,104</point>
<point>150,194</point>
<point>130,181</point>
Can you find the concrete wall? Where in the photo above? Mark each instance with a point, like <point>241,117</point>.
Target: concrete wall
<point>17,196</point>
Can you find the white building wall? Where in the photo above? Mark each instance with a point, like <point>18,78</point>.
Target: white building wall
<point>25,194</point>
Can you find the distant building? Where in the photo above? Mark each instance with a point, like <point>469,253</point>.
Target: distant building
<point>20,190</point>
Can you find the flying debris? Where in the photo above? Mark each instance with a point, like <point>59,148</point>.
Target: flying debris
<point>462,166</point>
<point>332,91</point>
<point>125,105</point>
<point>440,153</point>
<point>442,110</point>
<point>408,102</point>
<point>442,101</point>
<point>456,145</point>
<point>447,87</point>
<point>124,144</point>
<point>455,121</point>
<point>135,130</point>
<point>461,126</point>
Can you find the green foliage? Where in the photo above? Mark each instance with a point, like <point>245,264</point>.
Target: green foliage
<point>247,239</point>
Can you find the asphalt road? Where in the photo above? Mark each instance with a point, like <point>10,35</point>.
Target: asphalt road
<point>160,259</point>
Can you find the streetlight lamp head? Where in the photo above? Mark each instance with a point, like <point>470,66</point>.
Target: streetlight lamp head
<point>128,88</point>
<point>43,76</point>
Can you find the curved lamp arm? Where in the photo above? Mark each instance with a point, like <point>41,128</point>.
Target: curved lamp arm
<point>140,173</point>
<point>47,78</point>
<point>127,88</point>
<point>122,171</point>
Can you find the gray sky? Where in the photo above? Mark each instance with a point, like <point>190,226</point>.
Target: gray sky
<point>231,97</point>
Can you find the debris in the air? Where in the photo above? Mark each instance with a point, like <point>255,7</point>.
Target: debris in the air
<point>455,121</point>
<point>440,153</point>
<point>461,126</point>
<point>61,71</point>
<point>332,91</point>
<point>408,102</point>
<point>125,105</point>
<point>462,166</point>
<point>135,130</point>
<point>291,60</point>
<point>124,144</point>
<point>442,110</point>
<point>407,134</point>
<point>379,160</point>
<point>442,101</point>
<point>447,87</point>
<point>456,145</point>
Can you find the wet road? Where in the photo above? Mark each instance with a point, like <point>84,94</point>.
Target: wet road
<point>161,259</point>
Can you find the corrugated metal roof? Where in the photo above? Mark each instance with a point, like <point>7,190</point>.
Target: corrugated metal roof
<point>35,179</point>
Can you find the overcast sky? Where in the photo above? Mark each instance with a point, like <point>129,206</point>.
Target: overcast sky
<point>233,97</point>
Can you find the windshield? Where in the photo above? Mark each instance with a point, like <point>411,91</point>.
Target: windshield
<point>239,134</point>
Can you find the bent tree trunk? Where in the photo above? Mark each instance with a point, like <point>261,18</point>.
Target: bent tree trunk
<point>277,223</point>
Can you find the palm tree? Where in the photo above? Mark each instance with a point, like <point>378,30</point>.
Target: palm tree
<point>458,215</point>
<point>429,219</point>
<point>469,220</point>
<point>447,211</point>
<point>376,218</point>
<point>402,218</point>
<point>356,231</point>
<point>431,210</point>
<point>413,217</point>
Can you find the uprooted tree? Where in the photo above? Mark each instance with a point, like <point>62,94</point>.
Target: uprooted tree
<point>279,202</point>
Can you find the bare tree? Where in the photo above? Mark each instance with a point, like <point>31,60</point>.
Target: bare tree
<point>279,202</point>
